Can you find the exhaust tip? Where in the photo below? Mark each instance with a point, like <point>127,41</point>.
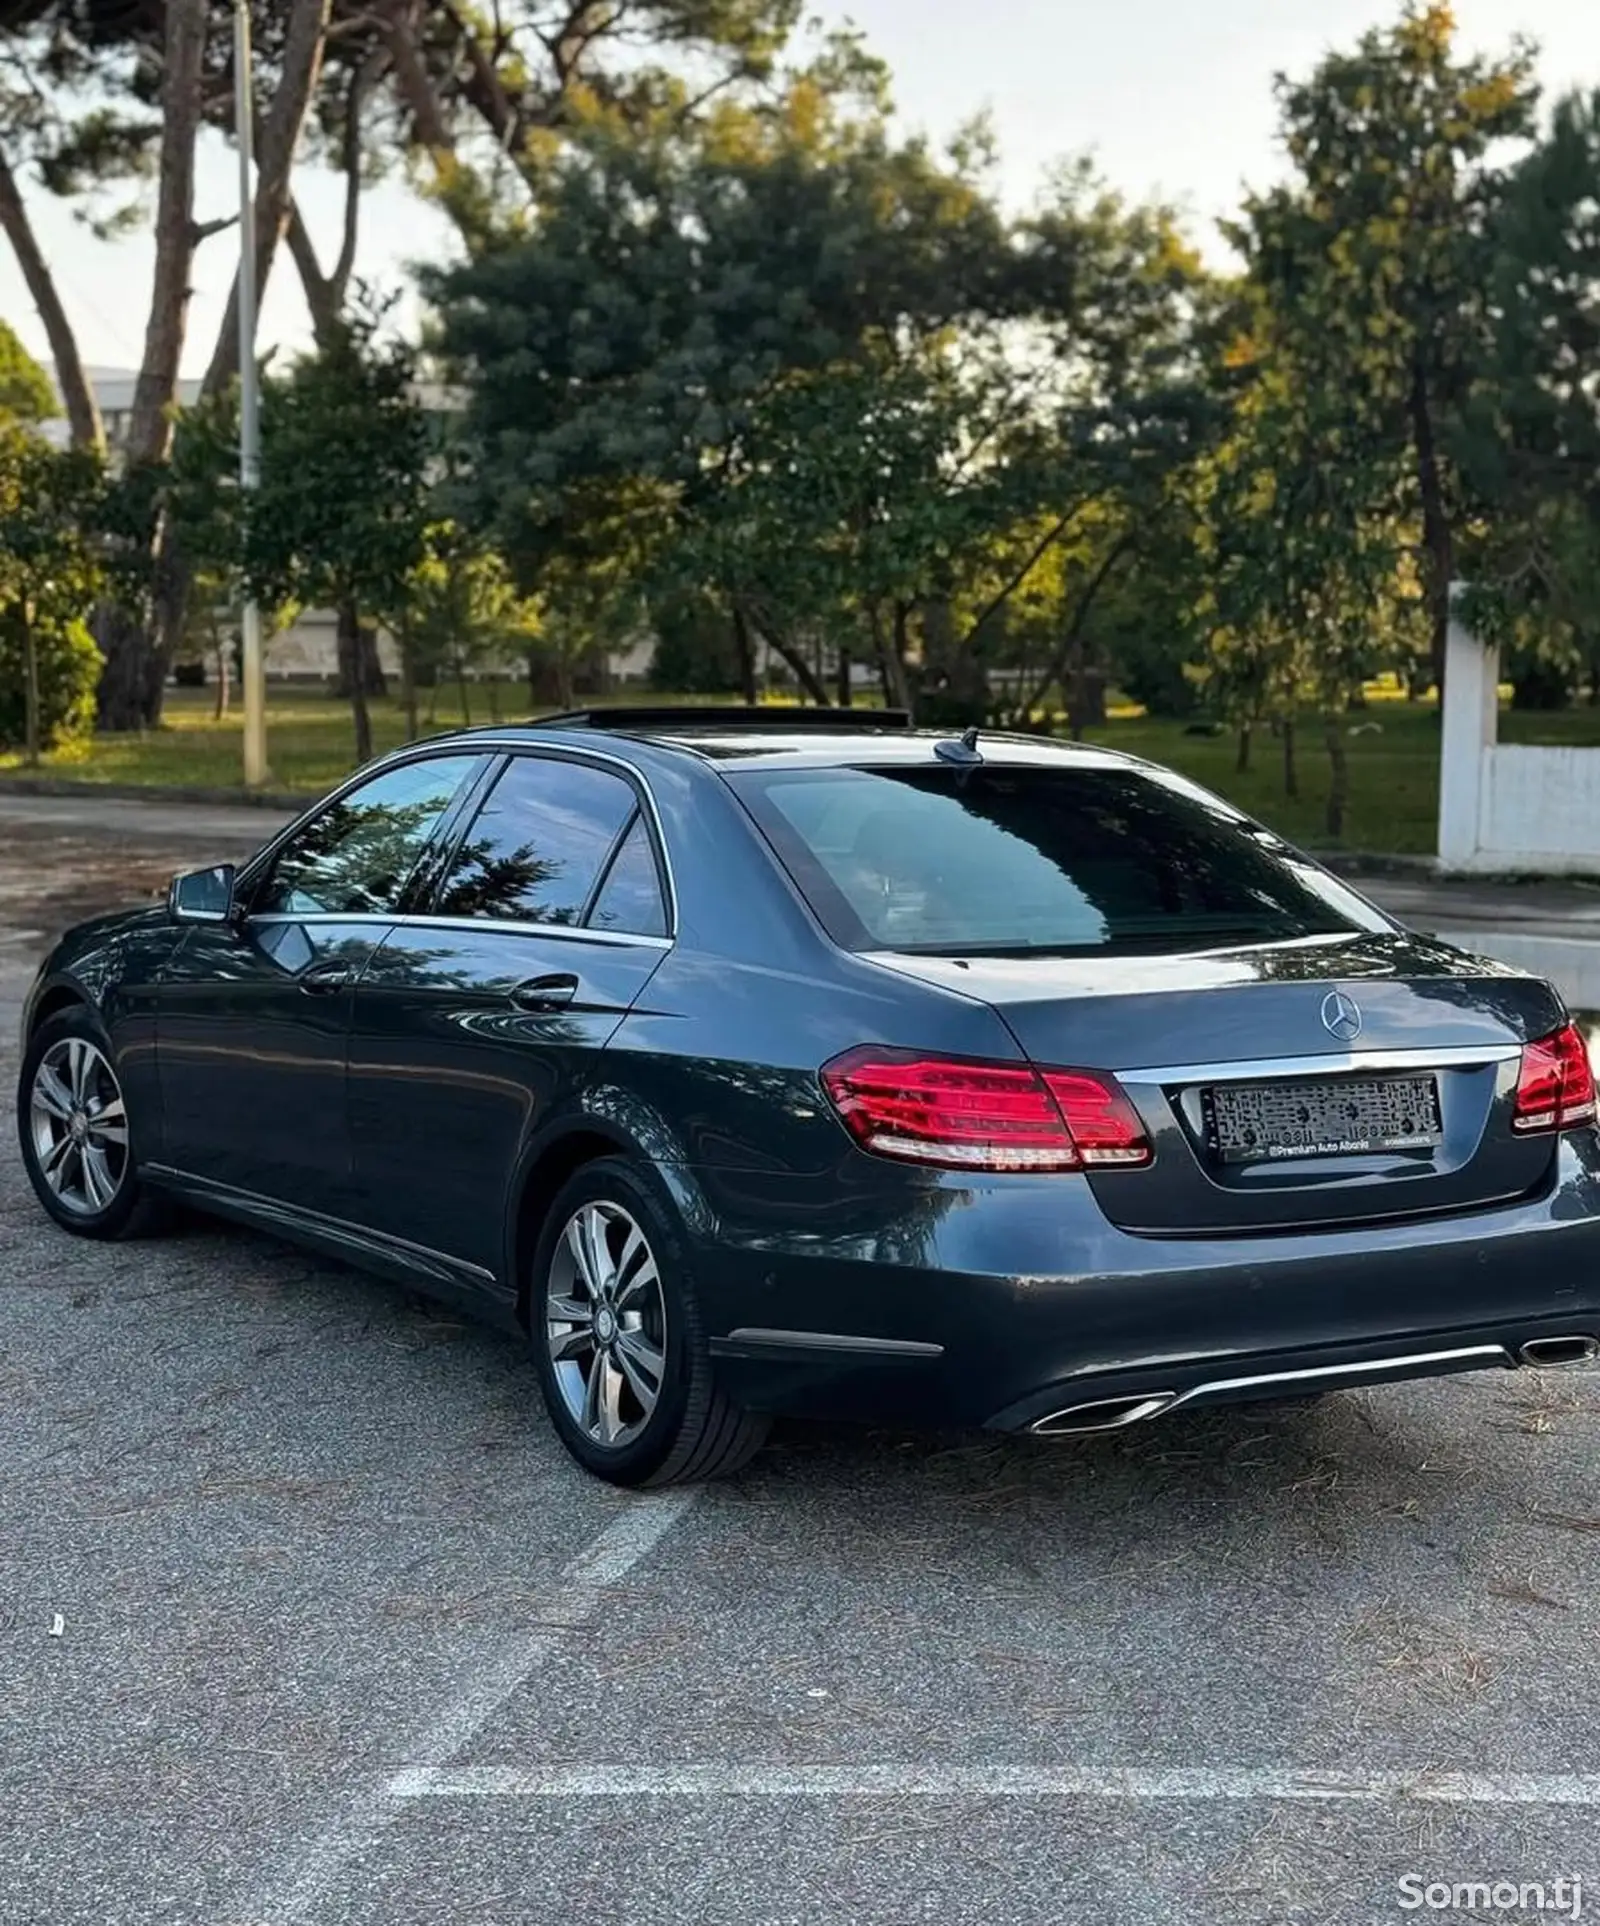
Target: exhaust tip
<point>1102,1414</point>
<point>1560,1350</point>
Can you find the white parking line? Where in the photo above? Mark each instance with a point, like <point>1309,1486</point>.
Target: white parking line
<point>994,1782</point>
<point>629,1538</point>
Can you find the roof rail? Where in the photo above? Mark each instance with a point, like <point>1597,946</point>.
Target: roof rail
<point>692,715</point>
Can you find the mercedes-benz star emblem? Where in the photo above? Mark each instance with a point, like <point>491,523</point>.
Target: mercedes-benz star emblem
<point>1341,1016</point>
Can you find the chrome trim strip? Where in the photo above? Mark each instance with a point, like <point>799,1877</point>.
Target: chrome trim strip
<point>829,1341</point>
<point>1342,1063</point>
<point>1404,1361</point>
<point>440,1262</point>
<point>490,745</point>
<point>497,925</point>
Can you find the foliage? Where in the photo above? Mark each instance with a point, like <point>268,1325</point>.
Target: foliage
<point>1375,255</point>
<point>49,575</point>
<point>26,391</point>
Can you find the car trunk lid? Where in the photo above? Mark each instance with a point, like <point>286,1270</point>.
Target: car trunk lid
<point>1324,1080</point>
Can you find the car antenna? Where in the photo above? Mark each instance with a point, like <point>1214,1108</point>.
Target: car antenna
<point>964,751</point>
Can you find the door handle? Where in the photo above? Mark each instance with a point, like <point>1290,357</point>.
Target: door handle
<point>325,979</point>
<point>545,992</point>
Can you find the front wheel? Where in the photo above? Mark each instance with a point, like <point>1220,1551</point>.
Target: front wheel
<point>72,1119</point>
<point>618,1342</point>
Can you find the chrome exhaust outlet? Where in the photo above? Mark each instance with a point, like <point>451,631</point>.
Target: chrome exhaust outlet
<point>1560,1350</point>
<point>1102,1414</point>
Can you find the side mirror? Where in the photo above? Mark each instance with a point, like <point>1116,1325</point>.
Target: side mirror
<point>203,895</point>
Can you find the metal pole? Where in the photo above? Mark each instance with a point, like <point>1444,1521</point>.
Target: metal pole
<point>255,687</point>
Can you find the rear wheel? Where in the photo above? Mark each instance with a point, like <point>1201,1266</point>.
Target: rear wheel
<point>73,1122</point>
<point>618,1342</point>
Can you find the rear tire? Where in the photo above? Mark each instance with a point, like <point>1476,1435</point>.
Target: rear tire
<point>77,1137</point>
<point>618,1341</point>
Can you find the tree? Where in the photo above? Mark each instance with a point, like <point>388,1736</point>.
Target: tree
<point>26,394</point>
<point>49,576</point>
<point>812,372</point>
<point>1533,432</point>
<point>458,611</point>
<point>1375,257</point>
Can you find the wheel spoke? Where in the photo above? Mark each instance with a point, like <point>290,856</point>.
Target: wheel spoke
<point>79,1059</point>
<point>570,1344</point>
<point>642,1365</point>
<point>643,1280</point>
<point>601,1415</point>
<point>50,1093</point>
<point>597,1254</point>
<point>108,1133</point>
<point>98,1183</point>
<point>53,1161</point>
<point>567,1310</point>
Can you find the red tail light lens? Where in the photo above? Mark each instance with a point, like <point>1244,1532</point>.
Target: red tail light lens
<point>969,1115</point>
<point>1555,1089</point>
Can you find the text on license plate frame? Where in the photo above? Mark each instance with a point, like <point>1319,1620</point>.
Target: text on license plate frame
<point>1279,1122</point>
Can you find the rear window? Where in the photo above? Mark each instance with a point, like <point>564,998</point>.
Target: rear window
<point>995,860</point>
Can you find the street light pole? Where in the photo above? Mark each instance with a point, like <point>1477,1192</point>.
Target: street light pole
<point>255,687</point>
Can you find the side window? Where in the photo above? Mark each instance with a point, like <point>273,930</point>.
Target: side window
<point>536,848</point>
<point>356,856</point>
<point>630,896</point>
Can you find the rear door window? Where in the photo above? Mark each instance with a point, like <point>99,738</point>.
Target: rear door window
<point>1015,860</point>
<point>540,843</point>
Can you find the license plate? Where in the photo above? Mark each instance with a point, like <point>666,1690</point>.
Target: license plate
<point>1333,1117</point>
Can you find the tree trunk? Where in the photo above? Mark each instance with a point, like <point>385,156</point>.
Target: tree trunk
<point>461,690</point>
<point>1338,776</point>
<point>358,661</point>
<point>845,692</point>
<point>745,650</point>
<point>136,657</point>
<point>1291,775</point>
<point>149,421</point>
<point>304,43</point>
<point>408,687</point>
<point>32,724</point>
<point>83,411</point>
<point>810,687</point>
<point>219,648</point>
<point>890,644</point>
<point>352,670</point>
<point>1436,540</point>
<point>1241,761</point>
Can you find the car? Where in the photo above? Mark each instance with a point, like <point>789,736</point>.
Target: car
<point>749,1062</point>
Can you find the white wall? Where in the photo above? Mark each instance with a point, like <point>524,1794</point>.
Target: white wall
<point>1503,806</point>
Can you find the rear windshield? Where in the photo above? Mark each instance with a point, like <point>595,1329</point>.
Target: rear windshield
<point>1006,861</point>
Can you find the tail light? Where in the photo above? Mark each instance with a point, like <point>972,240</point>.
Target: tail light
<point>971,1115</point>
<point>1555,1087</point>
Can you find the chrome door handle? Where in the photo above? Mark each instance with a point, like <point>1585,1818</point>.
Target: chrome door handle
<point>325,979</point>
<point>545,992</point>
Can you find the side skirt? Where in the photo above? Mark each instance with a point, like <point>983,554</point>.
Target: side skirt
<point>468,1287</point>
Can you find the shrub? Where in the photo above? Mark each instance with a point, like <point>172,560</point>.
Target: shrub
<point>69,671</point>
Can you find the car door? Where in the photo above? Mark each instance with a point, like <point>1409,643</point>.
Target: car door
<point>475,1020</point>
<point>255,1013</point>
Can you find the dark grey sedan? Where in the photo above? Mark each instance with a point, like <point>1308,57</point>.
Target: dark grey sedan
<point>824,1066</point>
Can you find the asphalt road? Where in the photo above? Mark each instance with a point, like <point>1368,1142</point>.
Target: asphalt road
<point>305,1617</point>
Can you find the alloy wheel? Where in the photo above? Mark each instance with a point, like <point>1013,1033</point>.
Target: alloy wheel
<point>79,1126</point>
<point>606,1324</point>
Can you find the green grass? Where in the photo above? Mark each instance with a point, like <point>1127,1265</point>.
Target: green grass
<point>1393,765</point>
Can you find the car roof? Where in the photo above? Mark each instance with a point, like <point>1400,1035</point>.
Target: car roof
<point>820,744</point>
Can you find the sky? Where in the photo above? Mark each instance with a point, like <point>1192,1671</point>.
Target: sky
<point>1173,97</point>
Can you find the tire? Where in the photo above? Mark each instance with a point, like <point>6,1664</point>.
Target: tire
<point>76,1134</point>
<point>630,1357</point>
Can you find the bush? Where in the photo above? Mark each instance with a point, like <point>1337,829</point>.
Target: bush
<point>69,672</point>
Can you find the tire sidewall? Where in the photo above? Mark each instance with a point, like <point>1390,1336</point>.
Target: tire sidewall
<point>115,1218</point>
<point>687,1375</point>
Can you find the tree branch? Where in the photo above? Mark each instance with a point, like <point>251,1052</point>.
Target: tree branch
<point>83,411</point>
<point>304,47</point>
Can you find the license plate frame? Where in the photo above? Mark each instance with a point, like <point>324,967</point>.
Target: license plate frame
<point>1285,1121</point>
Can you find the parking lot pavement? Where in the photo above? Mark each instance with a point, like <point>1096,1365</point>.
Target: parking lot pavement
<point>305,1617</point>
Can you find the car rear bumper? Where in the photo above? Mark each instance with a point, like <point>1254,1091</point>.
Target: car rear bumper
<point>1004,1302</point>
